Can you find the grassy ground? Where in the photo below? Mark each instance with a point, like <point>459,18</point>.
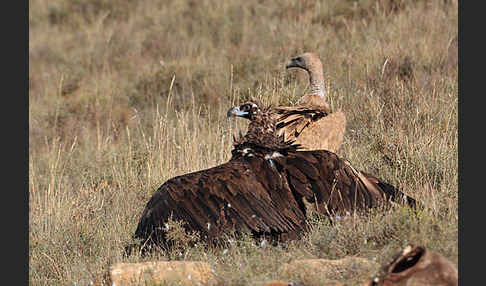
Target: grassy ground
<point>127,94</point>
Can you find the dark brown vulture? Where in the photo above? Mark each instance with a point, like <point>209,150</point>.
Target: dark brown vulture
<point>311,124</point>
<point>260,190</point>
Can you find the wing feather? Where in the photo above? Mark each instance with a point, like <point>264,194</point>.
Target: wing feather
<point>313,128</point>
<point>333,182</point>
<point>237,195</point>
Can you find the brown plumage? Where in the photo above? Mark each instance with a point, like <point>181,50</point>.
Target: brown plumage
<point>260,190</point>
<point>242,195</point>
<point>311,123</point>
<point>321,176</point>
<point>245,194</point>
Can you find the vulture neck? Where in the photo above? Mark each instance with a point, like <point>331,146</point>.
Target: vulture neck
<point>261,128</point>
<point>262,137</point>
<point>316,80</point>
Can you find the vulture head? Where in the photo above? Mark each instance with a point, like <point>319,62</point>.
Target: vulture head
<point>248,110</point>
<point>261,135</point>
<point>262,121</point>
<point>311,63</point>
<point>307,61</point>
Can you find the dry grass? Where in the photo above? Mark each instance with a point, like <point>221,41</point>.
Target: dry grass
<point>126,94</point>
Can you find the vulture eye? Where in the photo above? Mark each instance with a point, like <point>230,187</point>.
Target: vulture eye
<point>245,107</point>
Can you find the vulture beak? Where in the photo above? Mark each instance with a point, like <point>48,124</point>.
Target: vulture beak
<point>291,64</point>
<point>235,111</point>
<point>297,62</point>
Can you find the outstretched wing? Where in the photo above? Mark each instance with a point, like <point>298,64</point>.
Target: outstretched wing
<point>243,195</point>
<point>331,182</point>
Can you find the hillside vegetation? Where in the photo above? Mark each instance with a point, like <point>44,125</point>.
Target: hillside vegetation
<point>124,95</point>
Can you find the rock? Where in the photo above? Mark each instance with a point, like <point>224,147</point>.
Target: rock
<point>327,272</point>
<point>417,266</point>
<point>159,272</point>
